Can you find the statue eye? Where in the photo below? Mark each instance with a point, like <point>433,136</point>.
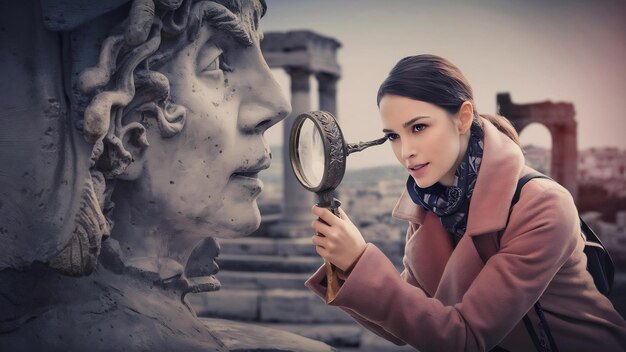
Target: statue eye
<point>212,66</point>
<point>212,60</point>
<point>223,64</point>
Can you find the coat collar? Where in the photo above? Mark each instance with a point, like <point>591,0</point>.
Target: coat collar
<point>502,164</point>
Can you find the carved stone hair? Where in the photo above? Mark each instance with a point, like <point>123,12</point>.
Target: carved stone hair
<point>124,81</point>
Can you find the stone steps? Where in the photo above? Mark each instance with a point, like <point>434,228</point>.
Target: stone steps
<point>267,306</point>
<point>263,283</point>
<point>345,335</point>
<point>261,280</point>
<point>268,246</point>
<point>349,337</point>
<point>268,263</point>
<point>292,247</point>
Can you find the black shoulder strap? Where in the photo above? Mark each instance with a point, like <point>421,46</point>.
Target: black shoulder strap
<point>487,246</point>
<point>538,309</point>
<point>604,286</point>
<point>522,181</point>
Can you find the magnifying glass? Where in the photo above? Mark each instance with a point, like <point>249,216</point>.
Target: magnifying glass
<point>318,154</point>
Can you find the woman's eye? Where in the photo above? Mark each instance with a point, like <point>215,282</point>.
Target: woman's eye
<point>391,136</point>
<point>418,127</point>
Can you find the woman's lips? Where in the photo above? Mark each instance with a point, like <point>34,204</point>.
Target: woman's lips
<point>418,170</point>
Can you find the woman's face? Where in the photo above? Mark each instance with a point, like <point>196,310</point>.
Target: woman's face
<point>426,140</point>
<point>206,177</point>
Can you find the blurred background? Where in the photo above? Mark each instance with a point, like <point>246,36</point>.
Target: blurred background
<point>571,52</point>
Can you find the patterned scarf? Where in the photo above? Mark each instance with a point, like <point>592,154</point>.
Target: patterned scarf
<point>451,203</point>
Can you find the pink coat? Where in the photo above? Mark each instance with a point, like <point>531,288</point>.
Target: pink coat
<point>446,299</point>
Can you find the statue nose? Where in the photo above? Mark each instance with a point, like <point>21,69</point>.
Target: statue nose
<point>264,104</point>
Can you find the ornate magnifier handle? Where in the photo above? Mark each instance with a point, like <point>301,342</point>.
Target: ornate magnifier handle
<point>357,147</point>
<point>332,284</point>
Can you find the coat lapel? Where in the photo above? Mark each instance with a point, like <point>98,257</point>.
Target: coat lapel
<point>428,251</point>
<point>499,171</point>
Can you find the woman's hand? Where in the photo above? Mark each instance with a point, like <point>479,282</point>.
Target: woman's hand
<point>338,240</point>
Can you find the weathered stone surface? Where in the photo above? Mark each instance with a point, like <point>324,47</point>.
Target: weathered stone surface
<point>559,119</point>
<point>269,263</point>
<point>102,121</point>
<point>295,306</point>
<point>277,305</point>
<point>268,246</point>
<point>239,337</point>
<point>344,335</point>
<point>41,310</point>
<point>229,304</point>
<point>262,280</point>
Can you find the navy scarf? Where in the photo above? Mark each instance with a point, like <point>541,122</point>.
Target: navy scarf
<point>451,203</point>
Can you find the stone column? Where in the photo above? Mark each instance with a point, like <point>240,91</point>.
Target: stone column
<point>564,163</point>
<point>327,86</point>
<point>297,201</point>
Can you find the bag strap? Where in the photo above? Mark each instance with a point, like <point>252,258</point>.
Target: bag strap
<point>585,232</point>
<point>527,323</point>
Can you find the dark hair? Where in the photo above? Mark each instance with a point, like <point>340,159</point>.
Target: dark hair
<point>437,81</point>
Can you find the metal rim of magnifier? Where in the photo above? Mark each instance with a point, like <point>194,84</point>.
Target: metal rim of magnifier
<point>335,150</point>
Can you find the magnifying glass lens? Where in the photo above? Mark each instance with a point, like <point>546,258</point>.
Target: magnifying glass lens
<point>311,153</point>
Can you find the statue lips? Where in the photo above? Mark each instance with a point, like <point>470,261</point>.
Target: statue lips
<point>248,175</point>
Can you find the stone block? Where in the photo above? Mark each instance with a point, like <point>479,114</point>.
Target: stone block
<point>266,263</point>
<point>296,306</point>
<point>228,304</point>
<point>261,280</point>
<point>336,335</point>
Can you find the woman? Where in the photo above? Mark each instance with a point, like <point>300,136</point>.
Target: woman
<point>463,169</point>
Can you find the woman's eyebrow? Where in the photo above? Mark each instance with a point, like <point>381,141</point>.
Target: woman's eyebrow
<point>411,121</point>
<point>407,124</point>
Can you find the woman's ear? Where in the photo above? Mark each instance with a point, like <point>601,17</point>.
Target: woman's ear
<point>466,116</point>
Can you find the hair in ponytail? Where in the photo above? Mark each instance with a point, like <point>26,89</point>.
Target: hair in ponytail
<point>503,125</point>
<point>437,81</point>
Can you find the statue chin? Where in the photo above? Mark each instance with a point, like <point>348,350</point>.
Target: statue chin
<point>240,220</point>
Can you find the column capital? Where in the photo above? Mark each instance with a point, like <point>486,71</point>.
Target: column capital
<point>327,83</point>
<point>300,77</point>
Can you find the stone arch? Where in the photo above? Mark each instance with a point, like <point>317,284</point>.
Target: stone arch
<point>559,119</point>
<point>534,150</point>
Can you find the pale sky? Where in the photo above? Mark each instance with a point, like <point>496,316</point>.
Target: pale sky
<point>565,51</point>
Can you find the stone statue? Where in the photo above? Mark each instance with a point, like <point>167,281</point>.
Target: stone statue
<point>130,134</point>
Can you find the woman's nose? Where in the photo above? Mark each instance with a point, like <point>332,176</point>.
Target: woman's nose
<point>408,149</point>
<point>263,103</point>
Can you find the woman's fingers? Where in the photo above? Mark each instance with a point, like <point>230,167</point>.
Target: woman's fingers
<point>318,240</point>
<point>344,216</point>
<point>320,246</point>
<point>326,215</point>
<point>322,252</point>
<point>322,228</point>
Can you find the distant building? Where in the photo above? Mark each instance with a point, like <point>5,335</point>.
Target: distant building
<point>605,166</point>
<point>600,166</point>
<point>538,158</point>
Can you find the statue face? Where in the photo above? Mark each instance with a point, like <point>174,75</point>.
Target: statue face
<point>205,180</point>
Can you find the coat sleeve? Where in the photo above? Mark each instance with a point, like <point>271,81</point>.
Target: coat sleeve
<point>542,234</point>
<point>315,284</point>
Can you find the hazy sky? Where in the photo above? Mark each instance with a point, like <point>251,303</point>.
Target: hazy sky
<point>563,51</point>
